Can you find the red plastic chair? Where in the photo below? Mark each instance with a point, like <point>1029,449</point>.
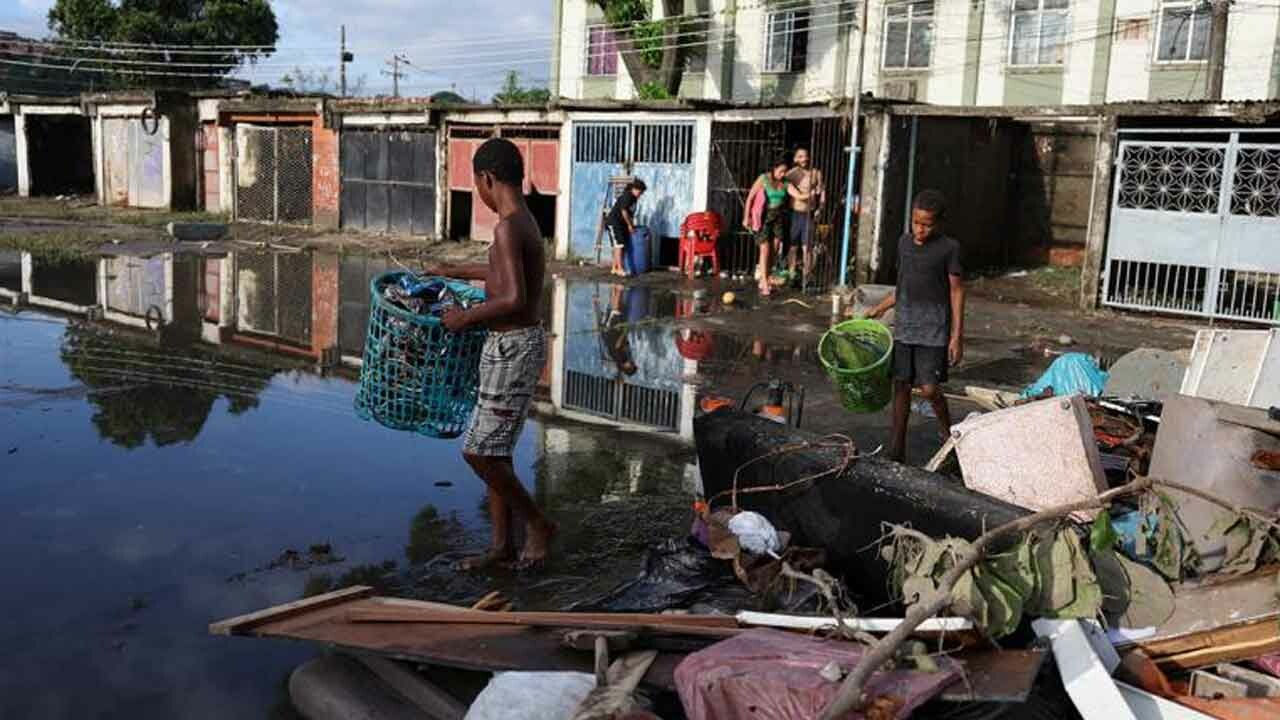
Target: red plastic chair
<point>699,236</point>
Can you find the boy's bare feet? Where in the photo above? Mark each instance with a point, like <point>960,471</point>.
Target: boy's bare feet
<point>492,557</point>
<point>537,545</point>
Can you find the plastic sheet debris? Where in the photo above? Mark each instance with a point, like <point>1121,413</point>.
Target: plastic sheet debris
<point>755,534</point>
<point>1069,374</point>
<point>773,675</point>
<point>531,696</point>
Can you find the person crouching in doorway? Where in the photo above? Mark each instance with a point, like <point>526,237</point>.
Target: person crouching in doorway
<point>928,335</point>
<point>621,222</point>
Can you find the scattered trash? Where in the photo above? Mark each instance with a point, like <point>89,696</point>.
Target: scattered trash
<point>742,677</point>
<point>1145,373</point>
<point>538,695</point>
<point>1069,374</point>
<point>1066,340</point>
<point>755,534</point>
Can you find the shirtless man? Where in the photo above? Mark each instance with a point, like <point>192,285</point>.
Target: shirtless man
<point>805,203</point>
<point>513,356</point>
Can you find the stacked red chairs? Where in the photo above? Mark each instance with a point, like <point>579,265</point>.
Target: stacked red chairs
<point>699,236</point>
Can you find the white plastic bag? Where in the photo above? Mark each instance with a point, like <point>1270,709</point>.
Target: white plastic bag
<point>531,696</point>
<point>755,534</point>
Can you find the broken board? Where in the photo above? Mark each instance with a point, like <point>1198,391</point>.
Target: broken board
<point>333,620</point>
<point>1037,456</point>
<point>1217,622</point>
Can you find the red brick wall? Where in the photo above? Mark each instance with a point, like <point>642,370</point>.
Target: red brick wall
<point>325,178</point>
<point>211,180</point>
<point>324,301</point>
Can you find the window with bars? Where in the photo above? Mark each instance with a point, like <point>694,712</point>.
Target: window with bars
<point>1038,29</point>
<point>1183,35</point>
<point>908,35</point>
<point>602,51</point>
<point>786,44</point>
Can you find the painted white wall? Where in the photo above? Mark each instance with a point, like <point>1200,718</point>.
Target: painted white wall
<point>749,26</point>
<point>824,55</point>
<point>995,52</point>
<point>1251,38</point>
<point>950,30</point>
<point>1129,77</point>
<point>20,153</point>
<point>573,38</point>
<point>1083,30</point>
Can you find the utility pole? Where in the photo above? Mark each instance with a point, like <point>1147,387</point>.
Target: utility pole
<point>854,146</point>
<point>344,57</point>
<point>1217,46</point>
<point>395,72</point>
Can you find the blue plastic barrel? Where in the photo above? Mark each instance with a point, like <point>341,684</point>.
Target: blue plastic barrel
<point>637,255</point>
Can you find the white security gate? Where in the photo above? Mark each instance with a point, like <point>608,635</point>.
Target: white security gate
<point>1194,228</point>
<point>273,174</point>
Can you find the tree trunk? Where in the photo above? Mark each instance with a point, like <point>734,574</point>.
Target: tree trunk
<point>674,45</point>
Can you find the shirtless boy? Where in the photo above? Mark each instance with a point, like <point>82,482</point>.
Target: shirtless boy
<point>513,356</point>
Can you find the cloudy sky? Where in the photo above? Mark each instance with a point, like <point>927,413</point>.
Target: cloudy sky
<point>450,43</point>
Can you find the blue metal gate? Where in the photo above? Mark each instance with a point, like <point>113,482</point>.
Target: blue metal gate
<point>659,153</point>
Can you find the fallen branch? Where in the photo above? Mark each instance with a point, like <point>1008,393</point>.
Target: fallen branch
<point>850,695</point>
<point>830,591</point>
<point>1261,516</point>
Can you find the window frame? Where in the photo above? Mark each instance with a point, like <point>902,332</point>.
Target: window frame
<point>1193,6</point>
<point>587,55</point>
<point>796,16</point>
<point>1039,12</point>
<point>910,19</point>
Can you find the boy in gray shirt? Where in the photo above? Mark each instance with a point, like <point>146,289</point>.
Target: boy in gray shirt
<point>929,333</point>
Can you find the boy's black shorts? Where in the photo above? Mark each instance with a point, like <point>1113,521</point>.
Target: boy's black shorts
<point>919,364</point>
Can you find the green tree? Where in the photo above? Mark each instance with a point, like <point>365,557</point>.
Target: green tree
<point>655,52</point>
<point>247,23</point>
<point>448,97</point>
<point>512,93</point>
<point>319,82</point>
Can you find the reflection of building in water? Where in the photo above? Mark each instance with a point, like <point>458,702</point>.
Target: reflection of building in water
<point>166,292</point>
<point>355,273</point>
<point>611,362</point>
<point>583,463</point>
<point>287,301</point>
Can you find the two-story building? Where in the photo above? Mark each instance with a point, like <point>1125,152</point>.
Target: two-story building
<point>949,52</point>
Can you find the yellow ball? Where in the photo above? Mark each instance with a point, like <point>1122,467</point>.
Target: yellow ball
<point>728,298</point>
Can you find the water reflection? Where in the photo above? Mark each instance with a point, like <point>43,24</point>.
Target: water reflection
<point>180,418</point>
<point>140,391</point>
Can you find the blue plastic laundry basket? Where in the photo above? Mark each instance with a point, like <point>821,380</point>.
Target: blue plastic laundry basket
<point>416,374</point>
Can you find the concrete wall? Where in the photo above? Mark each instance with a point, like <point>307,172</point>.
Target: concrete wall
<point>1053,188</point>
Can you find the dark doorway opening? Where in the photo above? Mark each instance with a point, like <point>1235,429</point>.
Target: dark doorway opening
<point>69,281</point>
<point>459,214</point>
<point>543,208</point>
<point>60,154</point>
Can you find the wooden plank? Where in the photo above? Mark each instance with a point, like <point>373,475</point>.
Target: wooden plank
<point>646,624</point>
<point>463,615</point>
<point>242,623</point>
<point>1223,645</point>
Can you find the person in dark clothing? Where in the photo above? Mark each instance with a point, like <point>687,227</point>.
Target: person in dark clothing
<point>621,222</point>
<point>613,332</point>
<point>929,332</point>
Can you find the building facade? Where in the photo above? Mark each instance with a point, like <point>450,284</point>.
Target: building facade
<point>950,52</point>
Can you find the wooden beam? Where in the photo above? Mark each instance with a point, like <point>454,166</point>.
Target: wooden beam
<point>243,623</point>
<point>694,625</point>
<point>1219,645</point>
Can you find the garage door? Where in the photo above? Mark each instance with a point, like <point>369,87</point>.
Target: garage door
<point>388,181</point>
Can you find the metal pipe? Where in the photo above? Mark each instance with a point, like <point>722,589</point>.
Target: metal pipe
<point>854,148</point>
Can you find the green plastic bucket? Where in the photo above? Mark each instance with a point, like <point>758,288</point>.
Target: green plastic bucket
<point>856,355</point>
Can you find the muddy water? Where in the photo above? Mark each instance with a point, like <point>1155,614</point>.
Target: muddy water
<point>152,482</point>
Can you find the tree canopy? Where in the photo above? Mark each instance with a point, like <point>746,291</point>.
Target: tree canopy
<point>249,24</point>
<point>513,93</point>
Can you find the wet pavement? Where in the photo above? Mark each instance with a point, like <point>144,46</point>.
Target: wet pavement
<point>187,451</point>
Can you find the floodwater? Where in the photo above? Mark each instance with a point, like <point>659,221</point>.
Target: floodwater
<point>184,459</point>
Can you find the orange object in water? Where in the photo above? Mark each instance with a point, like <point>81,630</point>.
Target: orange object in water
<point>773,412</point>
<point>711,403</point>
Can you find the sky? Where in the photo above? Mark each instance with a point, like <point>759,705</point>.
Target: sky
<point>450,44</point>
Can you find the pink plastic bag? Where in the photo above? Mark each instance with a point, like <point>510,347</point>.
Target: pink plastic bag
<point>1268,663</point>
<point>773,675</point>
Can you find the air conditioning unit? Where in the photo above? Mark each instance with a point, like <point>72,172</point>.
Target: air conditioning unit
<point>899,89</point>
